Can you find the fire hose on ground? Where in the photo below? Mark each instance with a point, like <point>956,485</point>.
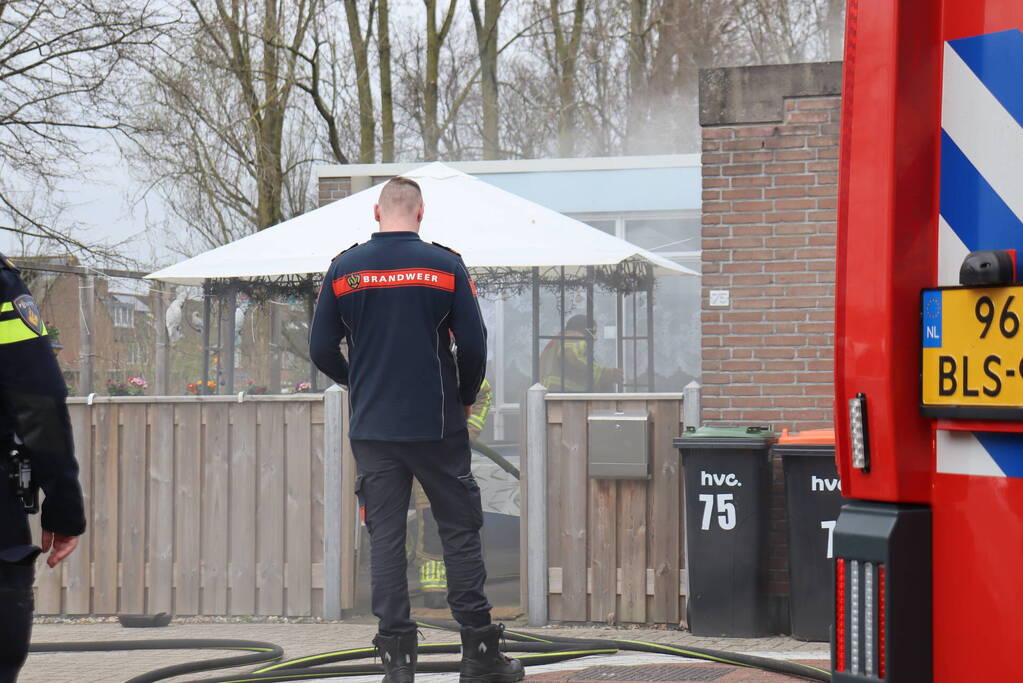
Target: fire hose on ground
<point>531,648</point>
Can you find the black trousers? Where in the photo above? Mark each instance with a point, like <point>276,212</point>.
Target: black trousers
<point>384,485</point>
<point>15,618</point>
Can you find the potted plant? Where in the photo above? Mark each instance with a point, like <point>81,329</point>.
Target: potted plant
<point>133,386</point>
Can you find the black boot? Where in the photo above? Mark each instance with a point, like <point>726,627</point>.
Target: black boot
<point>398,653</point>
<point>482,660</point>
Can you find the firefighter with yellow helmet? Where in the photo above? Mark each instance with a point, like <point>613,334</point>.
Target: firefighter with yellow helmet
<point>572,373</point>
<point>433,578</point>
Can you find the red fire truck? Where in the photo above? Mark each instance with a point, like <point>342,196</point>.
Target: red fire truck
<point>929,343</point>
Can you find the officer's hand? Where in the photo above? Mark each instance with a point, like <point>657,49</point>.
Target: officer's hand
<point>468,411</point>
<point>62,546</point>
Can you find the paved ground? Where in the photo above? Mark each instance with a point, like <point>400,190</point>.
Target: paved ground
<point>301,639</point>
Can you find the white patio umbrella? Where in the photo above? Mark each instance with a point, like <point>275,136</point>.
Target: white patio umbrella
<point>490,227</point>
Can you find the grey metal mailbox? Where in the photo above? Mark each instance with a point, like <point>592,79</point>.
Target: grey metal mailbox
<point>619,445</point>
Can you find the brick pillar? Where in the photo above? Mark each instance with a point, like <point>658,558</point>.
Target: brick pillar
<point>770,192</point>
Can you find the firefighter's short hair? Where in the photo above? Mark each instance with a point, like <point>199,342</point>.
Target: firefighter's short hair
<point>401,194</point>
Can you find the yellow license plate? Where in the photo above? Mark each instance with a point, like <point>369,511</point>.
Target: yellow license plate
<point>972,342</point>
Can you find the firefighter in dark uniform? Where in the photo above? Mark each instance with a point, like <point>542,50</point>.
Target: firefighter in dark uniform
<point>398,301</point>
<point>36,451</point>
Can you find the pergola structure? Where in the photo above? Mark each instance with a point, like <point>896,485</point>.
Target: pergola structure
<point>509,243</point>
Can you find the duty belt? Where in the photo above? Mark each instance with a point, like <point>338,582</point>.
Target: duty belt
<point>19,474</point>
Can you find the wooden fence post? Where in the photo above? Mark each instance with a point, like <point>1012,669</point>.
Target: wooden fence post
<point>333,517</point>
<point>690,418</point>
<point>536,504</point>
<point>691,405</point>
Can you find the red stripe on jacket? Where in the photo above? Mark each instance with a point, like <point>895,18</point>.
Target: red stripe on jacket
<point>401,277</point>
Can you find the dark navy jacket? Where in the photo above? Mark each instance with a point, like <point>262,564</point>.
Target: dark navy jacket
<point>33,407</point>
<point>397,301</point>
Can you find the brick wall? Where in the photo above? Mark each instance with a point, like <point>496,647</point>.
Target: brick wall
<point>331,189</point>
<point>769,200</point>
<point>770,174</point>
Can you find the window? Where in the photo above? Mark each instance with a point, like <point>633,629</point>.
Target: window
<point>137,354</point>
<point>675,234</point>
<point>669,235</point>
<point>123,315</point>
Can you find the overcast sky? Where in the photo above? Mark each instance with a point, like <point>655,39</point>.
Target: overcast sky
<point>103,199</point>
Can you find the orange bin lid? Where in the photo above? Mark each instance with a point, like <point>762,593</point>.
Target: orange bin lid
<point>808,437</point>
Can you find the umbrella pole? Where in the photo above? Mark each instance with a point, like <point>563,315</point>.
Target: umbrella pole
<point>231,333</point>
<point>205,339</point>
<point>87,331</point>
<point>635,340</point>
<point>159,295</point>
<point>310,305</point>
<point>536,325</point>
<point>562,291</point>
<point>220,345</point>
<point>650,336</point>
<point>619,336</point>
<point>593,323</point>
<point>274,375</point>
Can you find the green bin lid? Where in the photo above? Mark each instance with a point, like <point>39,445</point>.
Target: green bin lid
<point>710,431</point>
<point>724,437</point>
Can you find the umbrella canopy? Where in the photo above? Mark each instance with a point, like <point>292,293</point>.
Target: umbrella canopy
<point>491,228</point>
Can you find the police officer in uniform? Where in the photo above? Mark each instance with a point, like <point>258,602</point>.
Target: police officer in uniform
<point>36,451</point>
<point>397,301</point>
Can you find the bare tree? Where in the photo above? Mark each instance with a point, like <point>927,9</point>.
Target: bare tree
<point>459,99</point>
<point>323,90</point>
<point>835,27</point>
<point>231,144</point>
<point>360,54</point>
<point>786,31</point>
<point>566,31</point>
<point>386,89</point>
<point>436,34</point>
<point>217,128</point>
<point>603,83</point>
<point>486,26</point>
<point>60,63</point>
<point>460,122</point>
<point>326,78</point>
<point>637,43</point>
<point>684,36</point>
<point>527,97</point>
<point>637,74</point>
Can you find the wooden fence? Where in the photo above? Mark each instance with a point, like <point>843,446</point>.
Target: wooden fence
<point>218,505</point>
<point>208,505</point>
<point>615,547</point>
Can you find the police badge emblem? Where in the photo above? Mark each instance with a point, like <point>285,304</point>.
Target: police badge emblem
<point>29,313</point>
<point>354,280</point>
